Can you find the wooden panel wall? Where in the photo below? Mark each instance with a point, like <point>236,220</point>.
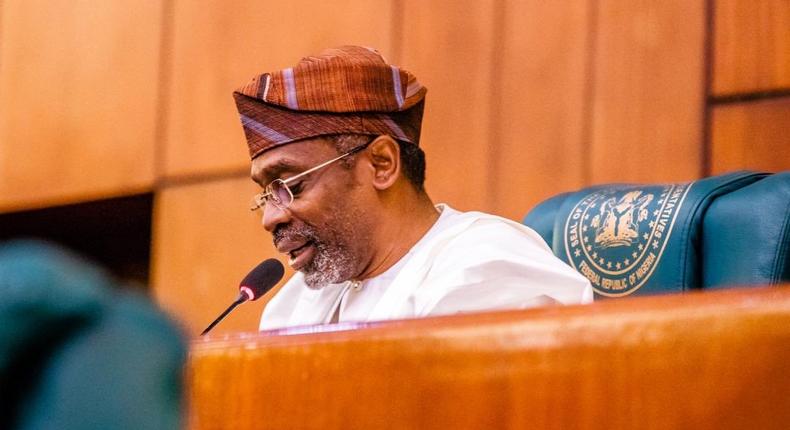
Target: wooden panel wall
<point>751,46</point>
<point>751,135</point>
<point>449,45</point>
<point>526,99</point>
<point>750,96</point>
<point>649,91</point>
<point>78,91</point>
<point>539,131</point>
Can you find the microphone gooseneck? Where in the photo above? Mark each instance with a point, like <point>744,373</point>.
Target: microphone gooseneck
<point>260,280</point>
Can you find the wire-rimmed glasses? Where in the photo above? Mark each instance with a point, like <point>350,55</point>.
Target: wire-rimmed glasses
<point>279,193</point>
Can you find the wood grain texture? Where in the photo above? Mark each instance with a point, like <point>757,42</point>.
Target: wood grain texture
<point>77,108</point>
<point>449,45</point>
<point>205,241</point>
<point>751,135</point>
<point>649,91</point>
<point>218,48</point>
<point>540,113</point>
<point>751,51</point>
<point>715,360</point>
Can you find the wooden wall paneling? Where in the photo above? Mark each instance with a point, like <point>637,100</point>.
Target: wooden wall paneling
<point>205,241</point>
<point>540,114</point>
<point>751,135</point>
<point>649,91</point>
<point>218,48</point>
<point>77,108</point>
<point>751,50</point>
<point>449,45</point>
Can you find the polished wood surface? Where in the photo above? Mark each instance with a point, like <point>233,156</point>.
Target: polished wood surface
<point>751,46</point>
<point>751,135</point>
<point>78,94</point>
<point>649,91</point>
<point>713,360</point>
<point>206,241</point>
<point>219,46</point>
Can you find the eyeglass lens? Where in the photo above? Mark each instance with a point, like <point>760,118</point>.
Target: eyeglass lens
<point>280,195</point>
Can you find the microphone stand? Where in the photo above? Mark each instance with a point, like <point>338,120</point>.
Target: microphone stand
<point>239,300</point>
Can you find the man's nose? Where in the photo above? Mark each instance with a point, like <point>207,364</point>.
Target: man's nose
<point>273,216</point>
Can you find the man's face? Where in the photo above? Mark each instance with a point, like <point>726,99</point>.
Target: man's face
<point>324,231</point>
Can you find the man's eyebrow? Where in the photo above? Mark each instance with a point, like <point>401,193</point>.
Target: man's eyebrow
<point>275,171</point>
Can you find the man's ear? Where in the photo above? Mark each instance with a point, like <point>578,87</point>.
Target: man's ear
<point>385,161</point>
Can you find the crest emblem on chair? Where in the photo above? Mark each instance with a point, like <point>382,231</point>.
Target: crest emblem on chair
<point>617,223</point>
<point>616,236</point>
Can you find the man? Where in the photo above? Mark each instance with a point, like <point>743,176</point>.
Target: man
<point>334,144</point>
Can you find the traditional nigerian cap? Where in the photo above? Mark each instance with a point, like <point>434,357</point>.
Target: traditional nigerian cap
<point>349,89</point>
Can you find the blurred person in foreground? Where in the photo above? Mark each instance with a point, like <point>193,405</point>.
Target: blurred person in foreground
<point>334,143</point>
<point>78,352</point>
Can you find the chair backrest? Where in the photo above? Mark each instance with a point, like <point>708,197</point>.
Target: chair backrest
<point>726,230</point>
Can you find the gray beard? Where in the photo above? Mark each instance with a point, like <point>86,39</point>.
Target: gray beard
<point>330,265</point>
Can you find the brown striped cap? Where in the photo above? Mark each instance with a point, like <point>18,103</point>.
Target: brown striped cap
<point>350,89</point>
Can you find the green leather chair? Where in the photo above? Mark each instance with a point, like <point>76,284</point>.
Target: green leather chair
<point>727,230</point>
<point>75,353</point>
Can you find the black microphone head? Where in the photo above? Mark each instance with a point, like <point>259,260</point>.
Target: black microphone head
<point>262,279</point>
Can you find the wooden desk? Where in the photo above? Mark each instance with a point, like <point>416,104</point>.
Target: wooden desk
<point>701,360</point>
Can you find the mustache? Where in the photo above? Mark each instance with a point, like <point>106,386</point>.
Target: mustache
<point>294,233</point>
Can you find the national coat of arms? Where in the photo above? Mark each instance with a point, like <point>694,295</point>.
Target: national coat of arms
<point>616,236</point>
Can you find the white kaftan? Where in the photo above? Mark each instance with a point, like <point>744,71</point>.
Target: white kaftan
<point>466,262</point>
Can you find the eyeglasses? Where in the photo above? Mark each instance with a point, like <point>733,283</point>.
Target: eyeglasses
<point>279,193</point>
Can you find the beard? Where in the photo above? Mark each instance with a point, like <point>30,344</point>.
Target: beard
<point>335,258</point>
<point>332,264</point>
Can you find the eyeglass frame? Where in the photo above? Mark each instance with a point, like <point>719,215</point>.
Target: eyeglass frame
<point>259,200</point>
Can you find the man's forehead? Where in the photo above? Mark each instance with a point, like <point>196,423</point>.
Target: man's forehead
<point>289,158</point>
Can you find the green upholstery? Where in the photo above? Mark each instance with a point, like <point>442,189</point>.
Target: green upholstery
<point>746,235</point>
<point>77,354</point>
<point>725,230</point>
<point>542,221</point>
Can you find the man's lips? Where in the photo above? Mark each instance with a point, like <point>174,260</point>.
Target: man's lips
<point>299,257</point>
<point>300,250</point>
<point>296,251</point>
<point>286,246</point>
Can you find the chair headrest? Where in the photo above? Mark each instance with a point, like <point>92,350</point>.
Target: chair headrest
<point>626,238</point>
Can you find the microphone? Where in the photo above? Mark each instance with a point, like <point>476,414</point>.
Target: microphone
<point>260,280</point>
